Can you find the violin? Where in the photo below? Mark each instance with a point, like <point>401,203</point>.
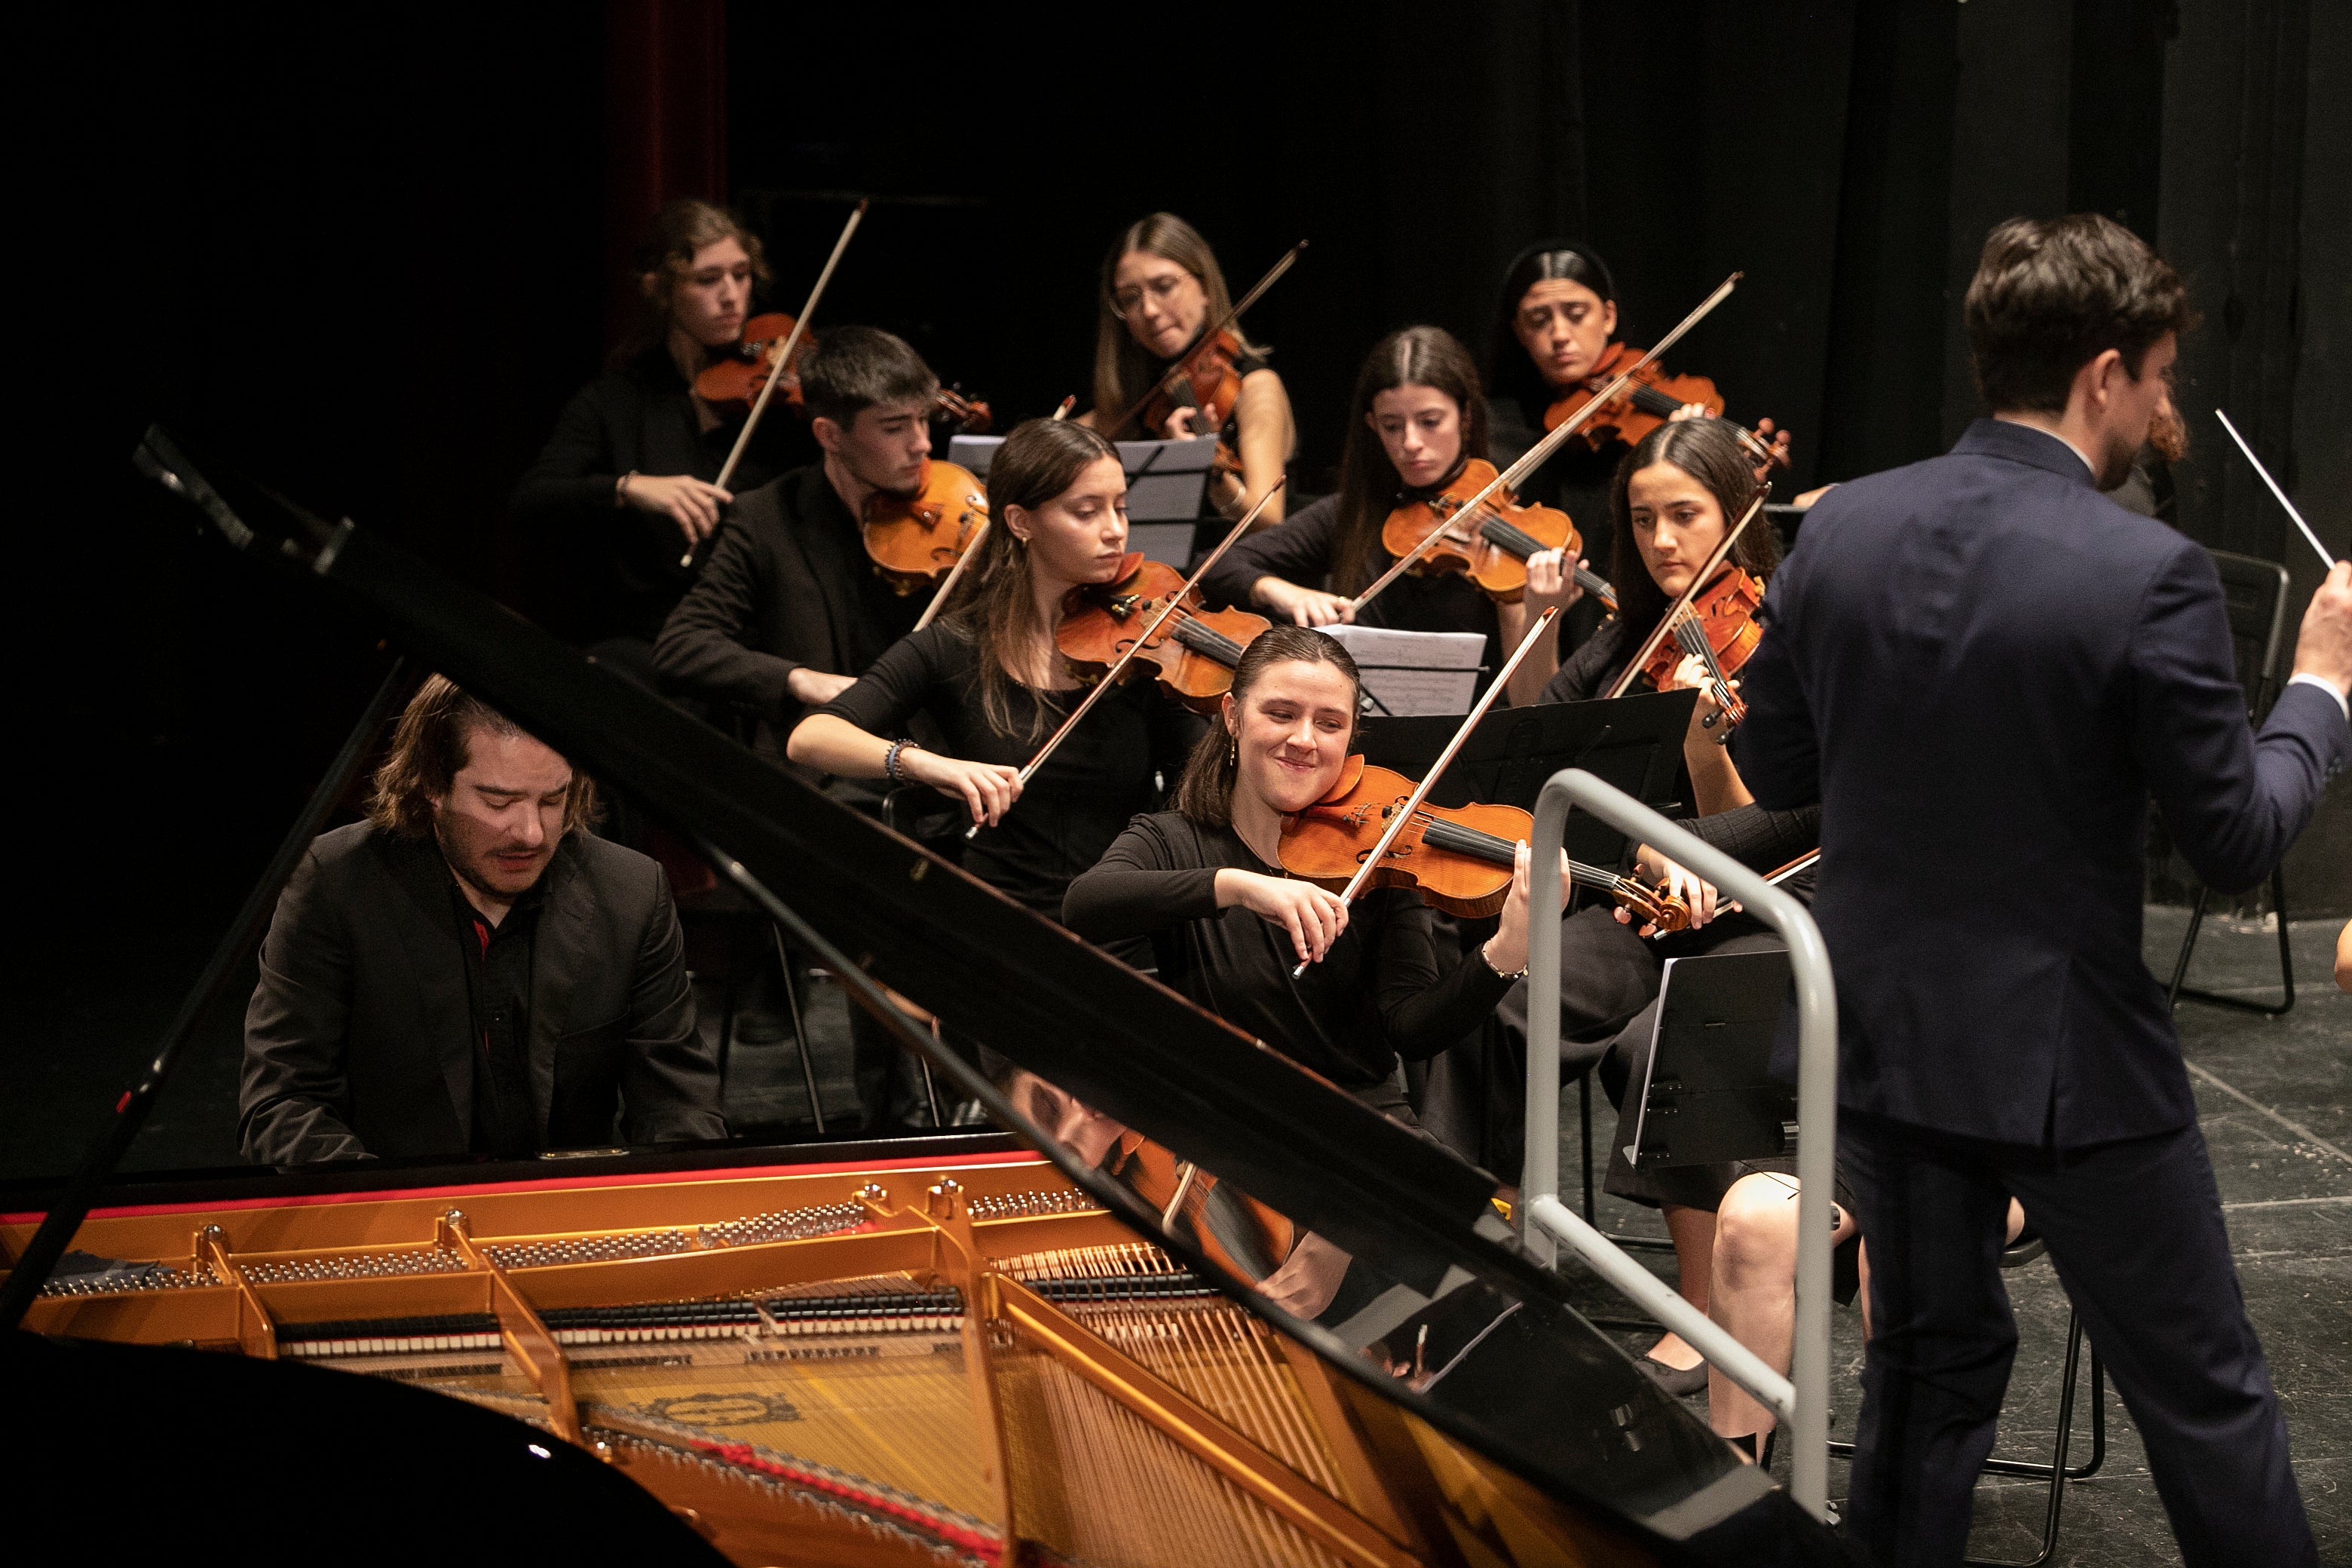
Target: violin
<point>1236,1232</point>
<point>914,541</point>
<point>1718,627</point>
<point>733,383</point>
<point>1494,553</point>
<point>1205,371</point>
<point>1457,858</point>
<point>1648,401</point>
<point>1194,649</point>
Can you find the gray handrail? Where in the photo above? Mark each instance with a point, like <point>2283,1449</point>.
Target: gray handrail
<point>1800,1401</point>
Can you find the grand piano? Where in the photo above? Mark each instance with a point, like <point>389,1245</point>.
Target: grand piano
<point>986,1348</point>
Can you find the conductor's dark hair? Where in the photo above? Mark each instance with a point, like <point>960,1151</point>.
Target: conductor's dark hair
<point>1205,793</point>
<point>1710,451</point>
<point>2051,295</point>
<point>855,368</point>
<point>431,745</point>
<point>1510,372</point>
<point>1370,486</point>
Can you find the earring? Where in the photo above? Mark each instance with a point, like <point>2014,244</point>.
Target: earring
<point>1232,750</point>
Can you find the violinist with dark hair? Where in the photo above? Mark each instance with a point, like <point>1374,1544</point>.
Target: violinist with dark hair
<point>627,477</point>
<point>1204,881</point>
<point>1554,344</point>
<point>788,611</point>
<point>1415,421</point>
<point>1162,297</point>
<point>988,676</point>
<point>1675,496</point>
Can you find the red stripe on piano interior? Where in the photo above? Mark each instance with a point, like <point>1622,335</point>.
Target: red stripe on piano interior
<point>552,1184</point>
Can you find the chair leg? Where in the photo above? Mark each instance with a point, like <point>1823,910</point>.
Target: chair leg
<point>2056,1469</point>
<point>1584,1121</point>
<point>800,1031</point>
<point>726,1032</point>
<point>2286,965</point>
<point>2188,946</point>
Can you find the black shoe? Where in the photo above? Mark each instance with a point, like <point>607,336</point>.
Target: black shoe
<point>1679,1381</point>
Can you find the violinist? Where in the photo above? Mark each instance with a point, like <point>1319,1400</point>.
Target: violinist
<point>788,611</point>
<point>1162,292</point>
<point>987,674</point>
<point>1416,417</point>
<point>625,482</point>
<point>1555,335</point>
<point>1203,881</point>
<point>1675,495</point>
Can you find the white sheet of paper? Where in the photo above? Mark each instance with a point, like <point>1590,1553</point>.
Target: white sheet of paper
<point>1415,673</point>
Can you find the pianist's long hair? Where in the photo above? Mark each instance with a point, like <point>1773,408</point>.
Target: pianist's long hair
<point>1205,793</point>
<point>428,748</point>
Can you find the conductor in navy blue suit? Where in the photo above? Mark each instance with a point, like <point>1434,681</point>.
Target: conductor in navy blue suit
<point>1983,670</point>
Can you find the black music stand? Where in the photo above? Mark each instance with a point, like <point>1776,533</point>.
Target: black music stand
<point>1633,742</point>
<point>1710,1095</point>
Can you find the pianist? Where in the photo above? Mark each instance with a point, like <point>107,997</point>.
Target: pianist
<point>470,970</point>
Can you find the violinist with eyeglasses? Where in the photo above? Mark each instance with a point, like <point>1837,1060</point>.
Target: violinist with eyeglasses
<point>1162,299</point>
<point>626,483</point>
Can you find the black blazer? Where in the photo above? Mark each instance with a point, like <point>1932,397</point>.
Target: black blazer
<point>638,417</point>
<point>788,584</point>
<point>359,1038</point>
<point>1982,668</point>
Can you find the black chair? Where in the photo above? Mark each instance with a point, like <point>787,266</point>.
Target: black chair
<point>2057,1472</point>
<point>2256,591</point>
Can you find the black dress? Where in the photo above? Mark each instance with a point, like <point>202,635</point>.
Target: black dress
<point>1105,772</point>
<point>1576,479</point>
<point>1301,549</point>
<point>622,563</point>
<point>1383,992</point>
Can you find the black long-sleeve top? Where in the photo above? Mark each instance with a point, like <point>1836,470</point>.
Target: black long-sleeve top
<point>1073,806</point>
<point>1380,993</point>
<point>787,584</point>
<point>1302,549</point>
<point>1759,839</point>
<point>639,417</point>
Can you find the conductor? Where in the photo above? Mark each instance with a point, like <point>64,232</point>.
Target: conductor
<point>1982,671</point>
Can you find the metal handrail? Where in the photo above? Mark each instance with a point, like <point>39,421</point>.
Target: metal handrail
<point>1800,1401</point>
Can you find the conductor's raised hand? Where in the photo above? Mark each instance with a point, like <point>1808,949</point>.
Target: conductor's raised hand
<point>987,789</point>
<point>1313,917</point>
<point>2323,647</point>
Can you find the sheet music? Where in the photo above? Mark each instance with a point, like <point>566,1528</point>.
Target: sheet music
<point>1409,673</point>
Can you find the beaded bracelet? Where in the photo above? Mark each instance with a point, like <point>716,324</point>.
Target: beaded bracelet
<point>890,761</point>
<point>1492,968</point>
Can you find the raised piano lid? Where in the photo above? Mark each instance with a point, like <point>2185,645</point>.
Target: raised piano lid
<point>1508,1369</point>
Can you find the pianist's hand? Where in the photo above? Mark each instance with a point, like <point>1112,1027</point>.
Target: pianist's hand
<point>1307,1279</point>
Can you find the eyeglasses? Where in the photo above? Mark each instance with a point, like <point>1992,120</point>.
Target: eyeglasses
<point>1161,290</point>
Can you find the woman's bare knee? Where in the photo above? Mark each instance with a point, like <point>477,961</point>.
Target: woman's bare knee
<point>1756,1229</point>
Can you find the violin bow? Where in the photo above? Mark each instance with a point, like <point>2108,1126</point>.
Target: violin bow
<point>783,358</point>
<point>955,574</point>
<point>1119,667</point>
<point>1536,456</point>
<point>1421,791</point>
<point>1177,367</point>
<point>1802,862</point>
<point>1705,575</point>
<point>2327,561</point>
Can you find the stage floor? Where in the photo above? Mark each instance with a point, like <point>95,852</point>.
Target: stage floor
<point>2275,1097</point>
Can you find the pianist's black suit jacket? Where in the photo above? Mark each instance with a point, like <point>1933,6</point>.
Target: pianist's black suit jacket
<point>359,1039</point>
<point>1983,670</point>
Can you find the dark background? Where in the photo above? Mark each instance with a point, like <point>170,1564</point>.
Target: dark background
<point>366,256</point>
